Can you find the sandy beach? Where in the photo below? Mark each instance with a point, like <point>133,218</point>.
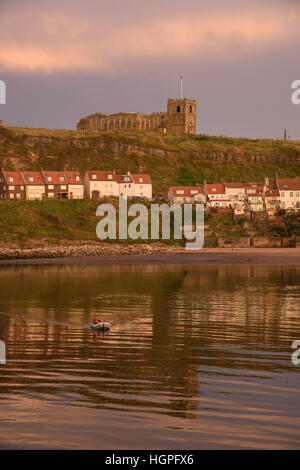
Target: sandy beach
<point>270,256</point>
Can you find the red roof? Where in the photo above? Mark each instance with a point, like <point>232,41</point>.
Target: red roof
<point>145,179</point>
<point>73,177</point>
<point>272,193</point>
<point>16,176</point>
<point>122,179</point>
<point>54,177</point>
<point>244,185</point>
<point>37,178</point>
<point>217,188</point>
<point>289,184</point>
<point>186,190</point>
<point>101,175</point>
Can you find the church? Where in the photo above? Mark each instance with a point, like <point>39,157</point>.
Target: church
<point>180,118</point>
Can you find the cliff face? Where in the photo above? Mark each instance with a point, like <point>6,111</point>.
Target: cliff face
<point>168,159</point>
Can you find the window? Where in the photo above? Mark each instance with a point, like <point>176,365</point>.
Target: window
<point>180,191</point>
<point>61,179</point>
<point>109,177</point>
<point>11,188</point>
<point>297,205</point>
<point>77,178</point>
<point>285,185</point>
<point>18,196</point>
<point>49,178</point>
<point>194,191</point>
<point>10,179</point>
<point>22,188</point>
<point>94,177</point>
<point>50,195</point>
<point>178,109</point>
<point>141,180</point>
<point>63,187</point>
<point>214,189</point>
<point>30,179</point>
<point>297,194</point>
<point>291,194</point>
<point>50,186</point>
<point>191,109</point>
<point>282,194</point>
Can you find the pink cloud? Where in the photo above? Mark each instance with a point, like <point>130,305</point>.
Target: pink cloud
<point>59,42</point>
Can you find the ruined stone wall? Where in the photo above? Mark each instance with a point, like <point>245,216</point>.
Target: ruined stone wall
<point>124,121</point>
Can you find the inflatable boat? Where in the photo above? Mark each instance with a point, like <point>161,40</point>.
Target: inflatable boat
<point>102,325</point>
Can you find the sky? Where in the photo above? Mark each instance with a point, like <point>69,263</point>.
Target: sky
<point>62,60</point>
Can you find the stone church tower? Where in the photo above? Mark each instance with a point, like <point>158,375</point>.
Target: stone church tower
<point>182,116</point>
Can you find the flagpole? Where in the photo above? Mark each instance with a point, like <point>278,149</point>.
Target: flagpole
<point>181,87</point>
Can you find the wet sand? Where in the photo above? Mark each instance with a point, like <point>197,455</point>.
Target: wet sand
<point>270,256</point>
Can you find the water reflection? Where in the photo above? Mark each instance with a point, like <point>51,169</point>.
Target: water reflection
<point>203,353</point>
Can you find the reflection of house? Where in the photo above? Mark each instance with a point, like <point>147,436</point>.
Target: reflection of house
<point>35,185</point>
<point>56,184</point>
<point>12,185</point>
<point>186,195</point>
<point>289,189</point>
<point>75,185</point>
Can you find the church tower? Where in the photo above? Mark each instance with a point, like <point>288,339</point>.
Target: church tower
<point>182,116</point>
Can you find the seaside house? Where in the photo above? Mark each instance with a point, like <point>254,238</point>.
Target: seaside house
<point>126,185</point>
<point>289,190</point>
<point>186,195</point>
<point>254,199</point>
<point>56,184</point>
<point>75,185</point>
<point>35,185</point>
<point>216,195</point>
<point>271,200</point>
<point>12,185</point>
<point>98,184</point>
<point>142,185</point>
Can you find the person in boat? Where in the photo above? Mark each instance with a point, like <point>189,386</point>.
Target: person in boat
<point>96,320</point>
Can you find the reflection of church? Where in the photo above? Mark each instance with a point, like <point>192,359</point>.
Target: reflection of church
<point>180,118</point>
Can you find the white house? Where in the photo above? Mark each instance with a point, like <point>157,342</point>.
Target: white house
<point>98,184</point>
<point>216,195</point>
<point>289,190</point>
<point>142,186</point>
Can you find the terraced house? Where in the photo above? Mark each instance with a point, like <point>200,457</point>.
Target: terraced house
<point>56,184</point>
<point>35,185</point>
<point>12,185</point>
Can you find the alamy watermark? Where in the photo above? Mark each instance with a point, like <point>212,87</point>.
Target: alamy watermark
<point>158,223</point>
<point>296,354</point>
<point>296,94</point>
<point>2,353</point>
<point>2,92</point>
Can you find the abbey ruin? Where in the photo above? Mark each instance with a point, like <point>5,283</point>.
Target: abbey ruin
<point>180,118</point>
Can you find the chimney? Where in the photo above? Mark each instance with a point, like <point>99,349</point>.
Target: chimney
<point>267,181</point>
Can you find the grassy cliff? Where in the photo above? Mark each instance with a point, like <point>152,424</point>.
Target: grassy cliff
<point>169,159</point>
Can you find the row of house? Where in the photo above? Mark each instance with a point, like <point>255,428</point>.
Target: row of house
<point>42,185</point>
<point>283,193</point>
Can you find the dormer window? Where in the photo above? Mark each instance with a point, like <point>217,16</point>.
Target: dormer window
<point>31,179</point>
<point>94,177</point>
<point>49,178</point>
<point>141,180</point>
<point>77,178</point>
<point>213,190</point>
<point>11,180</point>
<point>62,179</point>
<point>109,177</point>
